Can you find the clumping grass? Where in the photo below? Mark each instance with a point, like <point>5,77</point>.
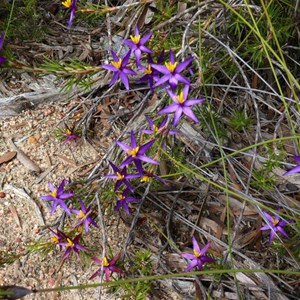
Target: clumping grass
<point>202,179</point>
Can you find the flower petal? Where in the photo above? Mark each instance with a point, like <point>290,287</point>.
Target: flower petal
<point>172,57</point>
<point>110,68</point>
<point>187,255</point>
<point>182,66</point>
<point>177,115</point>
<point>280,229</point>
<point>205,248</point>
<point>193,102</point>
<point>295,157</point>
<point>292,171</point>
<point>161,69</point>
<point>114,55</point>
<point>66,196</point>
<point>145,38</point>
<point>127,161</point>
<point>192,265</point>
<point>169,109</point>
<point>145,147</point>
<point>124,80</point>
<point>147,159</point>
<point>182,79</point>
<point>162,80</point>
<point>123,146</point>
<point>195,244</point>
<point>189,113</point>
<point>268,217</point>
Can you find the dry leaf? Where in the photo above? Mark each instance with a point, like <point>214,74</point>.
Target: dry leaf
<point>8,156</point>
<point>24,159</point>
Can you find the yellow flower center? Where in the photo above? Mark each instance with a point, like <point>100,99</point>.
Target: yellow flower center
<point>55,239</point>
<point>70,243</point>
<point>155,128</point>
<point>81,215</point>
<point>121,197</point>
<point>105,262</point>
<point>117,64</point>
<point>54,194</point>
<point>145,178</point>
<point>180,98</point>
<point>120,177</point>
<point>171,67</point>
<point>148,70</point>
<point>67,3</point>
<point>134,152</point>
<point>196,253</point>
<point>135,38</point>
<point>68,132</point>
<point>275,222</point>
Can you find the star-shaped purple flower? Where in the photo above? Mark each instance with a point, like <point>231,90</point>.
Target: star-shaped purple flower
<point>136,153</point>
<point>2,58</point>
<point>151,75</point>
<point>275,224</point>
<point>73,245</point>
<point>72,5</point>
<point>160,129</point>
<point>123,200</point>
<point>172,72</point>
<point>118,66</point>
<point>198,257</point>
<point>136,43</point>
<point>58,196</point>
<point>108,266</point>
<point>83,216</point>
<point>121,176</point>
<point>295,169</point>
<point>181,105</point>
<point>70,136</point>
<point>147,175</point>
<point>58,237</point>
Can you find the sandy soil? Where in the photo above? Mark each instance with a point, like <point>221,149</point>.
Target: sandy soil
<point>33,132</point>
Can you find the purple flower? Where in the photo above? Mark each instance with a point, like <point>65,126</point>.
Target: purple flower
<point>118,66</point>
<point>83,216</point>
<point>136,153</point>
<point>181,105</point>
<point>72,5</point>
<point>2,58</point>
<point>58,237</point>
<point>58,196</point>
<point>151,75</point>
<point>172,72</point>
<point>72,245</point>
<point>108,266</point>
<point>123,200</point>
<point>121,176</point>
<point>70,135</point>
<point>147,175</point>
<point>198,257</point>
<point>160,129</point>
<point>136,43</point>
<point>275,224</point>
<point>295,169</point>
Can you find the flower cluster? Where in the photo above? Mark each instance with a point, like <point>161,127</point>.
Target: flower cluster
<point>168,75</point>
<point>68,242</point>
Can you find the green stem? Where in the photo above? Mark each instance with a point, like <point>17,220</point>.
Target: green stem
<point>185,274</point>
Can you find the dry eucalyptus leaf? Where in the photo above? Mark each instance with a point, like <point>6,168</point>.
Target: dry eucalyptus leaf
<point>8,156</point>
